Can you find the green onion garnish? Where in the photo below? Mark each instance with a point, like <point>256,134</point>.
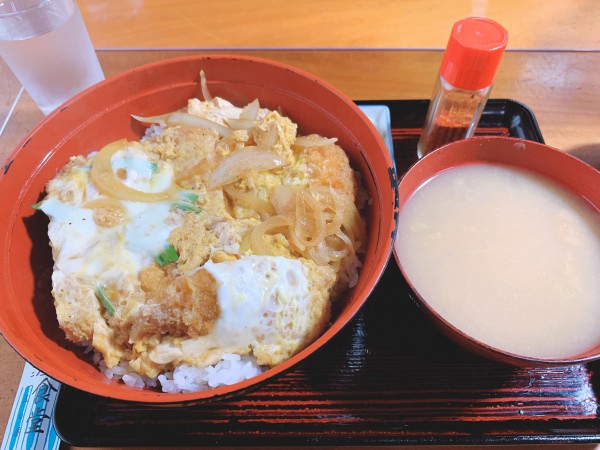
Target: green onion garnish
<point>188,207</point>
<point>37,206</point>
<point>101,295</point>
<point>190,197</point>
<point>189,203</point>
<point>185,207</point>
<point>168,255</point>
<point>153,166</point>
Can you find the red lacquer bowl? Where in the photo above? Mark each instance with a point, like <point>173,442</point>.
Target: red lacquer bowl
<point>100,115</point>
<point>571,173</point>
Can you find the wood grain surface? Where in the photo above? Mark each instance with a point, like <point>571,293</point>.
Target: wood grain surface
<point>412,24</point>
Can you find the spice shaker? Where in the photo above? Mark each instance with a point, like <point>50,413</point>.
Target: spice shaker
<point>470,62</point>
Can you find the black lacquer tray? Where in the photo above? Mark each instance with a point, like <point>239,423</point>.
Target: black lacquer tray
<point>388,378</point>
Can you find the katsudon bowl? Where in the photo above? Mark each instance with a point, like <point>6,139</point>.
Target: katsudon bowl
<point>103,114</point>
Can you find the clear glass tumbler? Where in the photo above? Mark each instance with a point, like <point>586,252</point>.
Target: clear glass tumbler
<point>46,45</point>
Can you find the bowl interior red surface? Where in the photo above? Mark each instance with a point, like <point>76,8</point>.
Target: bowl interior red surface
<point>100,115</point>
<point>568,171</point>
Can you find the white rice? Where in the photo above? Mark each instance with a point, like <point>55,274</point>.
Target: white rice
<point>232,369</point>
<point>185,378</point>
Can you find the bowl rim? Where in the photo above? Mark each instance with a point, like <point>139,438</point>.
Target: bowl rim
<point>451,331</point>
<point>374,273</point>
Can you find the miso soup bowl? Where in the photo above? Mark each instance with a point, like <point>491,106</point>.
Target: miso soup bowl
<point>102,114</point>
<point>571,173</point>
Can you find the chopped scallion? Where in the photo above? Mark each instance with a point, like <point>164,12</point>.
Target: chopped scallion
<point>188,207</point>
<point>153,166</point>
<point>103,297</point>
<point>168,255</point>
<point>189,203</point>
<point>185,207</point>
<point>37,206</point>
<point>190,197</point>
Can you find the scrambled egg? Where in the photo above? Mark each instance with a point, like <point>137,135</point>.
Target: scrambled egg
<point>203,240</point>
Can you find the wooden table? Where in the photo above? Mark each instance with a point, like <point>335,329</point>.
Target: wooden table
<point>326,24</point>
<point>561,87</point>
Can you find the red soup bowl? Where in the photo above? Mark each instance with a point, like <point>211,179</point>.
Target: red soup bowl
<point>572,175</point>
<point>102,114</point>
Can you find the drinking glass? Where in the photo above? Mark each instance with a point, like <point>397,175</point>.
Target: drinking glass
<point>46,45</point>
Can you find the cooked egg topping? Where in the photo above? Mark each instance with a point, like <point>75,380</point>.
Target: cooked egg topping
<point>137,172</point>
<point>86,245</point>
<point>265,304</point>
<point>220,232</point>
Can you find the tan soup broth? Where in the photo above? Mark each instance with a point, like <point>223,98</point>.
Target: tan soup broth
<point>507,257</point>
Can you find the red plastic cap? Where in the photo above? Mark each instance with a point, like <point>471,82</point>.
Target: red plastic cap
<point>473,53</point>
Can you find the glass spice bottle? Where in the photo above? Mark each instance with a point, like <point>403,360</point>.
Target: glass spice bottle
<point>470,62</point>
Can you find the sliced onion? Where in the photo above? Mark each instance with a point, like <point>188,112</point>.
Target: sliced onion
<point>283,199</point>
<point>160,120</point>
<point>249,200</point>
<point>332,205</point>
<point>107,182</point>
<point>107,211</point>
<point>240,124</point>
<point>182,118</point>
<point>257,238</point>
<point>250,111</point>
<point>105,202</point>
<point>204,87</point>
<point>317,256</point>
<point>240,162</point>
<point>332,243</point>
<point>247,117</point>
<point>245,245</point>
<point>196,169</point>
<point>309,225</point>
<point>306,141</point>
<point>328,251</point>
<point>267,142</point>
<point>353,225</point>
